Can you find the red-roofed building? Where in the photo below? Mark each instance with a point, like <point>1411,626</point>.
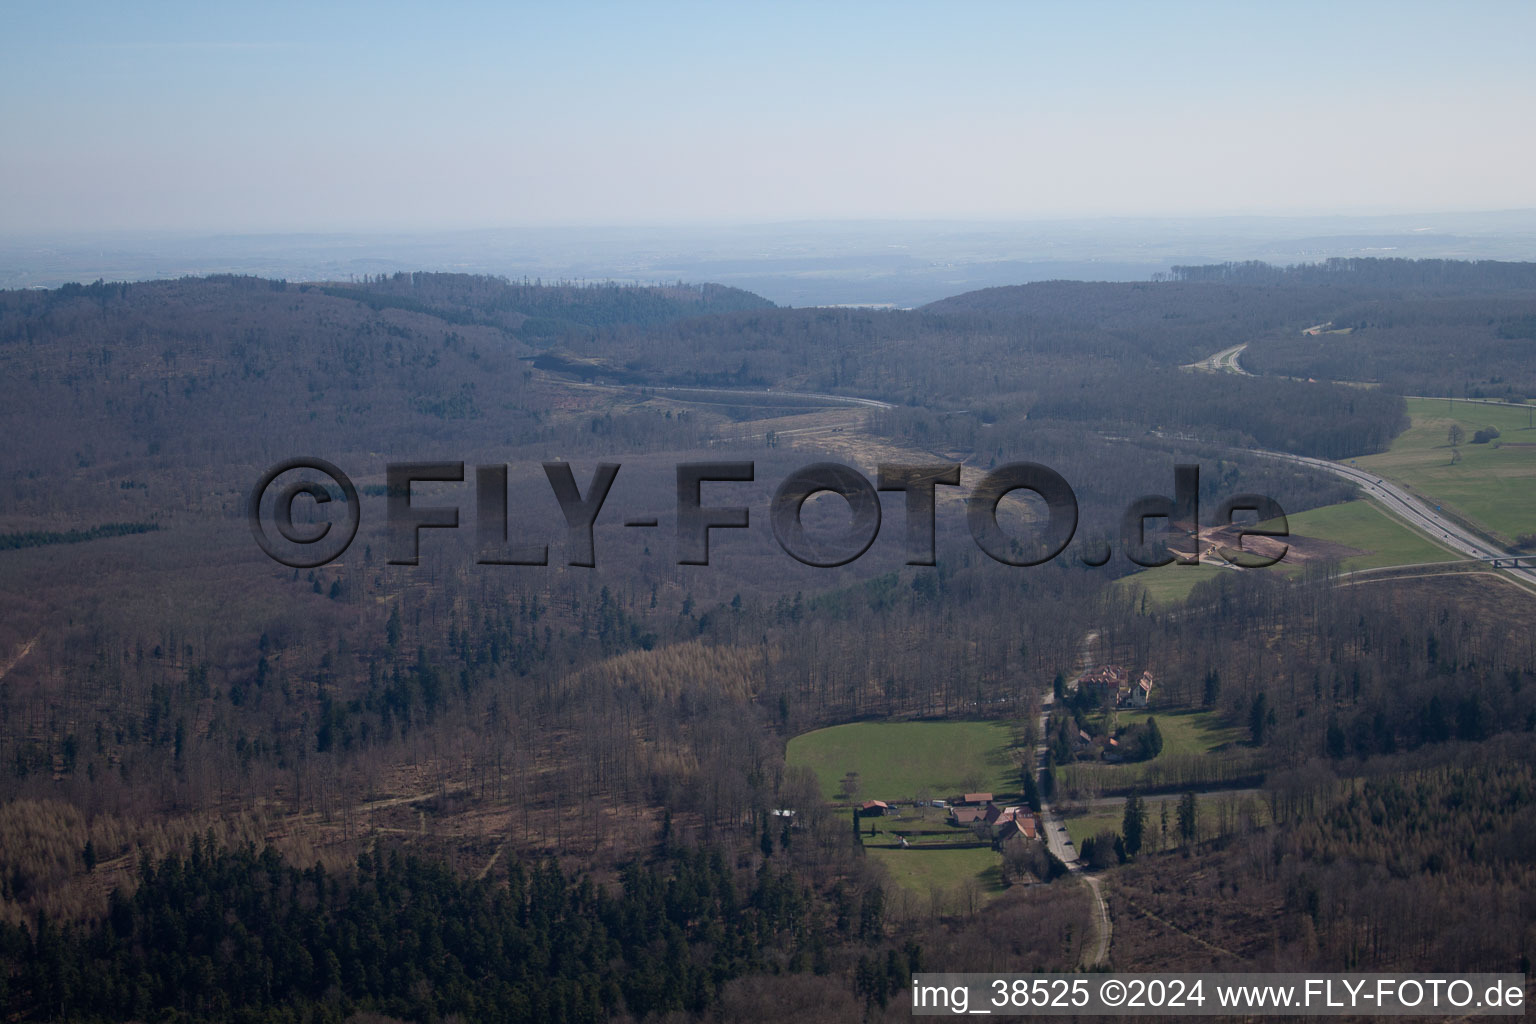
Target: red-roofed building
<point>1105,682</point>
<point>1023,826</point>
<point>1141,693</point>
<point>1007,821</point>
<point>965,815</point>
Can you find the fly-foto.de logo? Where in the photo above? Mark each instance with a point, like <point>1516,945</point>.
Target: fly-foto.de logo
<point>291,483</point>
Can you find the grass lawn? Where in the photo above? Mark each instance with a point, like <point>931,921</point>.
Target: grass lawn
<point>1168,585</point>
<point>896,760</point>
<point>1184,732</point>
<point>1102,820</point>
<point>1109,819</point>
<point>1365,527</point>
<point>1195,745</point>
<point>921,871</point>
<point>886,829</point>
<point>1490,486</point>
<point>1357,524</point>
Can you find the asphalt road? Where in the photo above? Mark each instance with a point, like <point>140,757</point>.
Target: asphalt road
<point>816,396</point>
<point>1224,361</point>
<point>1060,845</point>
<point>1415,511</point>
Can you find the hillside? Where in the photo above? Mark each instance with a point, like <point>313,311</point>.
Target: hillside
<point>615,740</point>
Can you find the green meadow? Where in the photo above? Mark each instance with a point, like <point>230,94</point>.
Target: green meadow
<point>922,871</point>
<point>1197,746</point>
<point>1380,539</point>
<point>898,760</point>
<point>1492,485</point>
<point>1362,525</point>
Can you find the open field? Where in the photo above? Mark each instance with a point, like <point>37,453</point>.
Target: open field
<point>1168,585</point>
<point>897,760</point>
<point>920,824</point>
<point>1490,486</point>
<point>1361,525</point>
<point>1198,750</point>
<point>886,832</point>
<point>1185,732</point>
<point>1092,821</point>
<point>1104,819</point>
<point>922,871</point>
<point>1358,533</point>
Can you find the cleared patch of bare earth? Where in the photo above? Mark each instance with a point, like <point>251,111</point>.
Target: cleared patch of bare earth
<point>1177,919</point>
<point>1295,549</point>
<point>26,649</point>
<point>472,823</point>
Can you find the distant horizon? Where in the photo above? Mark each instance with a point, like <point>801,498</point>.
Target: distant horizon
<point>727,224</point>
<point>866,262</point>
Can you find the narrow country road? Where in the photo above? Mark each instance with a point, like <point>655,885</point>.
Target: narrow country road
<point>1060,845</point>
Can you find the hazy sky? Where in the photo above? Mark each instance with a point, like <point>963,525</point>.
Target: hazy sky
<point>379,116</point>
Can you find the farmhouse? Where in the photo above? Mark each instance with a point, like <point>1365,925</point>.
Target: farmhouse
<point>1111,684</point>
<point>1104,684</point>
<point>874,808</point>
<point>1022,826</point>
<point>1004,822</point>
<point>971,799</point>
<point>1141,693</point>
<point>966,815</point>
<point>1007,821</point>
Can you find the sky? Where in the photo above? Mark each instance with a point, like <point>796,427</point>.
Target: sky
<point>273,117</point>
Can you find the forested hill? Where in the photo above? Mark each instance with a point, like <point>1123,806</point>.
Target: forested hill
<point>237,935</point>
<point>1170,323</point>
<point>1418,327</point>
<point>197,369</point>
<point>538,310</point>
<point>233,369</point>
<point>1419,275</point>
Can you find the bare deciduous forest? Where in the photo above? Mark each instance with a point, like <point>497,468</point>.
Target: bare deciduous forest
<point>234,790</point>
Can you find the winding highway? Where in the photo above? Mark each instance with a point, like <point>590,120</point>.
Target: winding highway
<point>813,396</point>
<point>1414,511</point>
<point>1224,361</point>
